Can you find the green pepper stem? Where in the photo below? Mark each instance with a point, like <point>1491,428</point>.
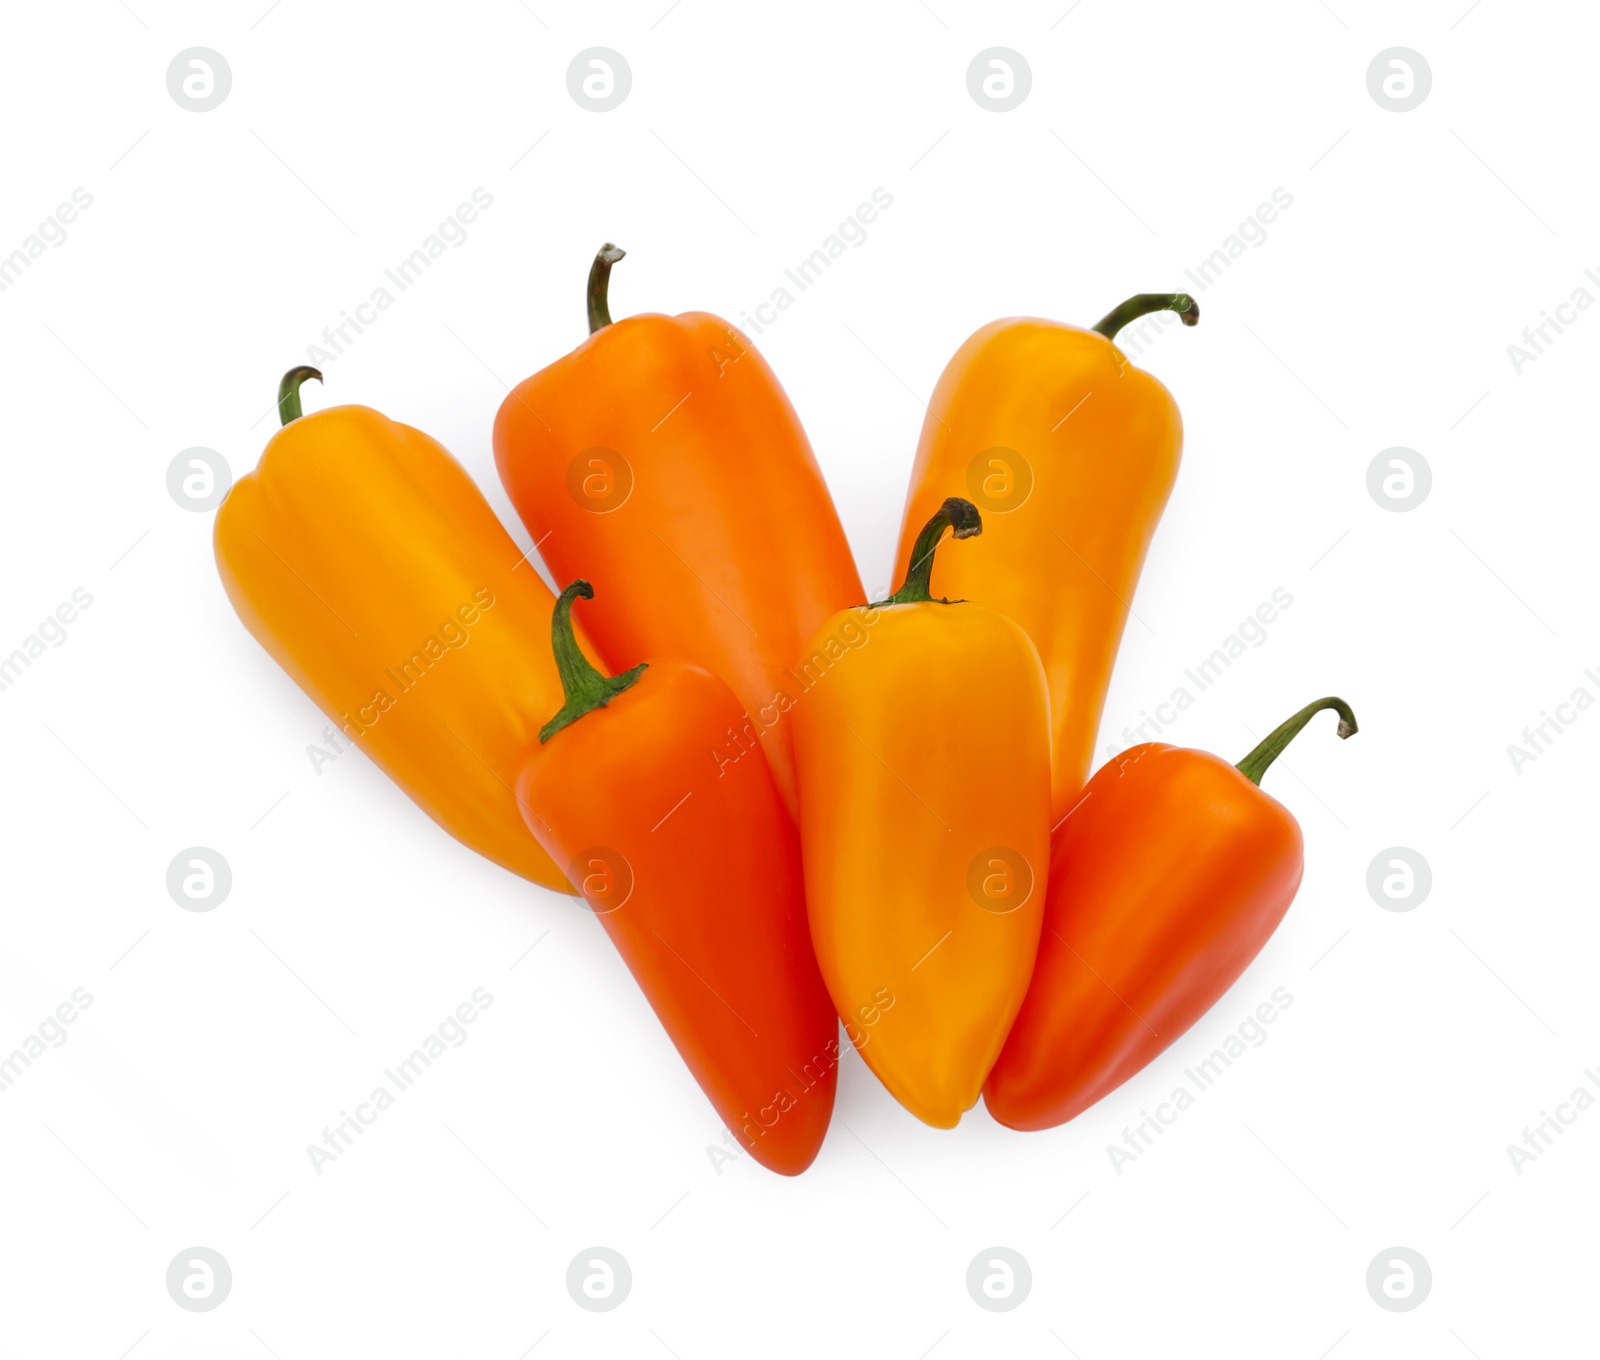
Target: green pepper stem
<point>289,392</point>
<point>962,519</point>
<point>600,283</point>
<point>1254,765</point>
<point>1142,304</point>
<point>582,686</point>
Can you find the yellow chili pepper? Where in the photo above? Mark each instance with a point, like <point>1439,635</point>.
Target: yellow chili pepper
<point>1072,453</point>
<point>924,763</point>
<point>364,559</point>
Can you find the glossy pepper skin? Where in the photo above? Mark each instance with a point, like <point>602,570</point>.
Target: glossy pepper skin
<point>363,558</point>
<point>1165,883</point>
<point>695,874</point>
<point>1071,453</point>
<point>662,461</point>
<point>924,767</point>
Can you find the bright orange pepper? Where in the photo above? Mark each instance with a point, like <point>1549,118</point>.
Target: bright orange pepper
<point>662,461</point>
<point>1071,453</point>
<point>1165,882</point>
<point>924,762</point>
<point>695,874</point>
<point>363,558</point>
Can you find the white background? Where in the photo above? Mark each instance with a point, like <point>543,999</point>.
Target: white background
<point>1377,313</point>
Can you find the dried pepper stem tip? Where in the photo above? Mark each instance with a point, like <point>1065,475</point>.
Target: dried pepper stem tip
<point>1142,304</point>
<point>962,519</point>
<point>1254,765</point>
<point>600,284</point>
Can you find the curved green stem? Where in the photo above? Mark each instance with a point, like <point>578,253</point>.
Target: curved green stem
<point>582,686</point>
<point>1142,304</point>
<point>600,283</point>
<point>1254,765</point>
<point>289,392</point>
<point>958,516</point>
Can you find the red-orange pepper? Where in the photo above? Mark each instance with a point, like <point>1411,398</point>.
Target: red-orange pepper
<point>1165,881</point>
<point>695,874</point>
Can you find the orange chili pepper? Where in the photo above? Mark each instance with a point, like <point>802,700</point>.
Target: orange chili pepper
<point>662,461</point>
<point>924,763</point>
<point>363,558</point>
<point>1071,453</point>
<point>695,874</point>
<point>1165,882</point>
